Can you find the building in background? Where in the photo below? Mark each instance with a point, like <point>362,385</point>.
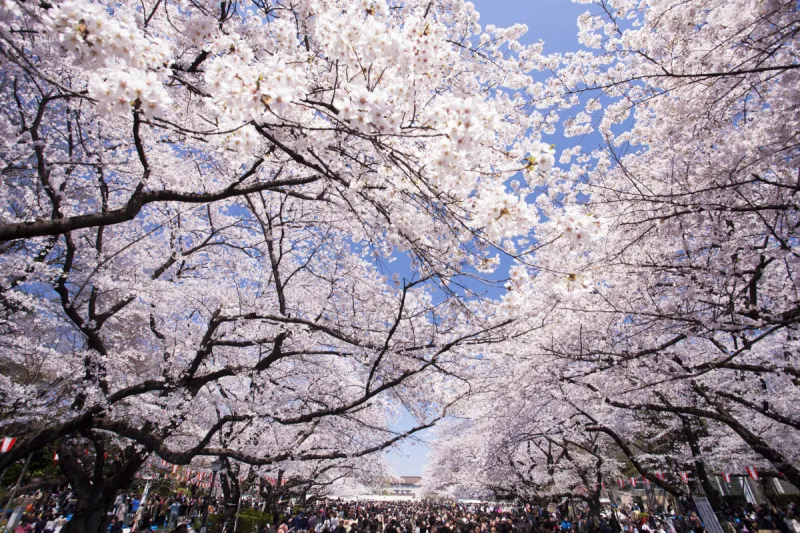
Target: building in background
<point>403,488</point>
<point>406,486</point>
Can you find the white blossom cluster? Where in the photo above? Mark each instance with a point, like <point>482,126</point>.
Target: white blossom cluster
<point>262,92</point>
<point>95,39</point>
<point>128,65</point>
<point>578,227</point>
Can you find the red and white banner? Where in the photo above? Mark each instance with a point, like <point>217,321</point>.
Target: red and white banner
<point>646,481</point>
<point>7,444</point>
<point>174,469</point>
<point>660,476</point>
<point>55,456</point>
<point>685,477</point>
<point>726,476</point>
<point>752,472</point>
<point>633,482</point>
<point>621,483</point>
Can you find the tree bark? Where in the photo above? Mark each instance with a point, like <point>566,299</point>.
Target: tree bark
<point>231,491</point>
<point>593,501</point>
<point>90,515</point>
<point>272,495</point>
<point>714,498</point>
<point>95,480</point>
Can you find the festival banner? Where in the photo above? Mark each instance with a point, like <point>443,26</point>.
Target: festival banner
<point>6,444</point>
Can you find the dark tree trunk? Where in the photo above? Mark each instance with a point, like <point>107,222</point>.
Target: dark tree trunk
<point>90,515</point>
<point>230,490</point>
<point>714,498</point>
<point>594,505</point>
<point>95,479</point>
<point>272,496</point>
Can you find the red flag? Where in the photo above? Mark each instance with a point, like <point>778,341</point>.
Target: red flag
<point>726,476</point>
<point>685,477</point>
<point>752,472</point>
<point>660,476</point>
<point>55,456</point>
<point>7,444</point>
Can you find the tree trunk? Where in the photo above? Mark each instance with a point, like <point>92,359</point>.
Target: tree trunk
<point>231,491</point>
<point>95,480</point>
<point>90,515</point>
<point>714,498</point>
<point>272,496</point>
<point>594,506</point>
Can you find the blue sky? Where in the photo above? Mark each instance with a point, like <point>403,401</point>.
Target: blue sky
<point>554,22</point>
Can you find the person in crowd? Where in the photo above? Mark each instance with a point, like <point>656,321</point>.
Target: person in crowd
<point>115,526</point>
<point>174,513</point>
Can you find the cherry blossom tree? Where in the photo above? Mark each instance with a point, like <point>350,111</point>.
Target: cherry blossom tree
<point>201,207</point>
<point>305,482</point>
<point>234,351</point>
<point>528,451</point>
<point>204,205</point>
<point>666,303</point>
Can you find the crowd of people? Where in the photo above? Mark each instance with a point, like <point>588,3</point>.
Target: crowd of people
<point>47,513</point>
<point>449,517</point>
<point>160,512</point>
